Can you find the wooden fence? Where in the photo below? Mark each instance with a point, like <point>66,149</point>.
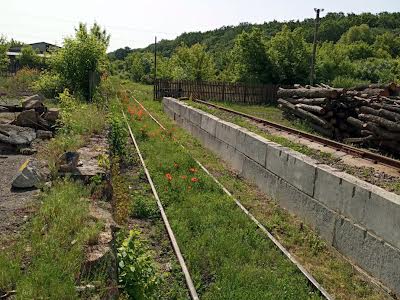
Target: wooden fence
<point>219,91</point>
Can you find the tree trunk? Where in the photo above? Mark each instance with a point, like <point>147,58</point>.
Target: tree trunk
<point>303,114</point>
<point>355,122</point>
<point>309,93</point>
<point>392,126</point>
<point>312,108</point>
<point>316,101</point>
<point>382,133</point>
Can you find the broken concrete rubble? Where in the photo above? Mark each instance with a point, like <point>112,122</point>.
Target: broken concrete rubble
<point>31,118</point>
<point>27,177</point>
<point>16,135</point>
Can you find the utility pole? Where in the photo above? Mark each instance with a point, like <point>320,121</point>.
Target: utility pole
<point>155,67</point>
<point>314,54</point>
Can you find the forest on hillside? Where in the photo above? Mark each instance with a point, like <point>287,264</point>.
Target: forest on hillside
<point>353,49</point>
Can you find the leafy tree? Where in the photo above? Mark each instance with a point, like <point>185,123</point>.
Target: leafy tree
<point>332,61</point>
<point>81,57</point>
<point>4,60</point>
<point>29,58</point>
<point>251,62</point>
<point>361,33</point>
<point>192,63</point>
<point>290,55</point>
<point>388,42</point>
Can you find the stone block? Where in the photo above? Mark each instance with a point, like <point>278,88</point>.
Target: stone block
<point>291,166</point>
<point>209,123</point>
<point>227,132</point>
<point>266,181</point>
<point>382,215</point>
<point>252,145</point>
<point>195,116</point>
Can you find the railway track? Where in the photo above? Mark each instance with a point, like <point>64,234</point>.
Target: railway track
<point>373,157</point>
<point>171,235</point>
<point>313,282</point>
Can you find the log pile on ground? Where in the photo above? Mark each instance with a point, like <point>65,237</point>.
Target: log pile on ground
<point>32,120</point>
<point>368,115</point>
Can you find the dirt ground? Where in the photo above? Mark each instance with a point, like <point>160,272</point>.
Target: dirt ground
<point>15,205</point>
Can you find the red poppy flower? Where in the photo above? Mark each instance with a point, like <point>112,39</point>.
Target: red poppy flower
<point>169,176</point>
<point>194,179</point>
<point>193,170</point>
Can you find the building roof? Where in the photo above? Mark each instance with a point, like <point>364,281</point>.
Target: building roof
<point>41,47</point>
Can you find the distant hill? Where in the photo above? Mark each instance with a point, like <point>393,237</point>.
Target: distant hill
<point>218,41</point>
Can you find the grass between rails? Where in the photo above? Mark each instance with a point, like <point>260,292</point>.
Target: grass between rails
<point>329,268</point>
<point>227,256</point>
<point>148,268</point>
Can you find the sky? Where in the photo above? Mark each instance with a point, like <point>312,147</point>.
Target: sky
<point>135,23</point>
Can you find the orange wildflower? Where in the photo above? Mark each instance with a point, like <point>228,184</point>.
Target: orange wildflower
<point>193,170</point>
<point>169,176</point>
<point>194,179</point>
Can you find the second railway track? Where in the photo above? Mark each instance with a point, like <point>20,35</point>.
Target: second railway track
<point>356,152</point>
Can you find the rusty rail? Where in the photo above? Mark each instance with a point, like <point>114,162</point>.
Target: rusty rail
<point>375,158</point>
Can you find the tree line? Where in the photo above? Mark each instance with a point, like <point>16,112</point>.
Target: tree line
<point>353,49</point>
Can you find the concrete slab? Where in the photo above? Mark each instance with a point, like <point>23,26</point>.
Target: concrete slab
<point>382,216</point>
<point>252,145</point>
<point>209,123</point>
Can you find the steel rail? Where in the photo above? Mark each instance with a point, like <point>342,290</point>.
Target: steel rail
<point>375,158</point>
<point>310,278</point>
<point>189,281</point>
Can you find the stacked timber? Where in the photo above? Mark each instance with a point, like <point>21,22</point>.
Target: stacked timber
<point>363,115</point>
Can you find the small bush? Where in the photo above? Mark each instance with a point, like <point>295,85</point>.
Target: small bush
<point>80,118</point>
<point>348,82</point>
<point>49,85</point>
<point>145,207</point>
<point>22,82</point>
<point>118,136</point>
<point>137,272</point>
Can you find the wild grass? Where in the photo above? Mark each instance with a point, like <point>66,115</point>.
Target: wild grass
<point>46,262</point>
<point>228,258</point>
<point>334,273</point>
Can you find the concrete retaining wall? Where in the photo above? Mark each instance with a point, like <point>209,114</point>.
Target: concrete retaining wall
<point>360,220</point>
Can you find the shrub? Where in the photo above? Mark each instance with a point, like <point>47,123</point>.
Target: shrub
<point>348,82</point>
<point>137,272</point>
<point>49,85</point>
<point>118,136</point>
<point>22,82</point>
<point>81,60</point>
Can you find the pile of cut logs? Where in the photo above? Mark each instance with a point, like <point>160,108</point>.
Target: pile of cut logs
<point>367,115</point>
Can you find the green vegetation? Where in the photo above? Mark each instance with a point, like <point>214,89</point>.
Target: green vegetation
<point>330,269</point>
<point>224,252</point>
<point>46,262</point>
<point>4,60</point>
<point>30,59</point>
<point>353,49</point>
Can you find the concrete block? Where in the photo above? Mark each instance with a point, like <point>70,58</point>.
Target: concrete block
<point>371,253</point>
<point>169,112</point>
<point>329,188</point>
<point>291,166</point>
<point>382,215</point>
<point>227,132</point>
<point>252,145</point>
<point>314,213</point>
<point>209,123</point>
<point>231,156</point>
<point>266,181</point>
<point>349,240</point>
<point>184,110</point>
<point>195,116</point>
